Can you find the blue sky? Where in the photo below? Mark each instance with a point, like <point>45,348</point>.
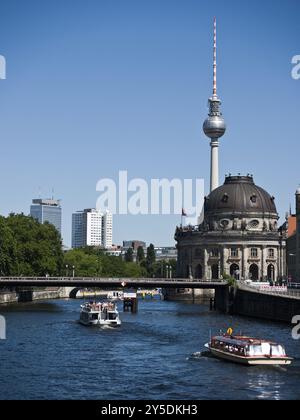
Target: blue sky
<point>98,86</point>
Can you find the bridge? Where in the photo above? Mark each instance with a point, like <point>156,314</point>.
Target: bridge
<point>109,283</point>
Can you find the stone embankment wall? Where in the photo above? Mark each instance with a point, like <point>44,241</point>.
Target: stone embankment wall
<point>249,302</point>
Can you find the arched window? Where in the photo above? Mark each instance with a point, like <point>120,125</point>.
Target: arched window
<point>199,272</point>
<point>215,272</point>
<point>254,272</point>
<point>271,272</point>
<point>235,271</point>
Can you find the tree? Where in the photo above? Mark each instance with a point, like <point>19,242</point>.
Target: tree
<point>7,250</point>
<point>150,260</point>
<point>35,249</point>
<point>140,257</point>
<point>88,260</point>
<point>129,255</point>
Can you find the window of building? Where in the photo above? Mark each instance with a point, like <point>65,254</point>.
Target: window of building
<point>225,198</point>
<point>198,252</point>
<point>254,252</point>
<point>271,253</point>
<point>234,252</point>
<point>214,253</point>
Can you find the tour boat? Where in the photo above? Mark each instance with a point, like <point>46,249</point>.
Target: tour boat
<point>99,314</point>
<point>248,351</point>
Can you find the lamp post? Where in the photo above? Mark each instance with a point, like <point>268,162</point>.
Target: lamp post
<point>73,271</point>
<point>67,270</point>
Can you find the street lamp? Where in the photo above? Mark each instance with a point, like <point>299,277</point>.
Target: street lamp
<point>73,271</point>
<point>67,270</point>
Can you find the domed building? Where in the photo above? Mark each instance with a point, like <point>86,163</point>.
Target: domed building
<point>239,236</point>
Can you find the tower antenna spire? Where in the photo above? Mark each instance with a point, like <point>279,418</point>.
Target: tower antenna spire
<point>215,59</point>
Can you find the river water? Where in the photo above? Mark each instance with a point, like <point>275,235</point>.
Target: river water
<point>49,355</point>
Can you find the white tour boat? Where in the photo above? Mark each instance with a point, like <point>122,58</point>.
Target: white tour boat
<point>248,351</point>
<point>100,314</point>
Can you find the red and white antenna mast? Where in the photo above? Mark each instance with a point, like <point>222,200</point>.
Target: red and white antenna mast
<point>215,59</point>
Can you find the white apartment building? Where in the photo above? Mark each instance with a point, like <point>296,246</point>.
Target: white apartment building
<point>91,227</point>
<point>107,227</point>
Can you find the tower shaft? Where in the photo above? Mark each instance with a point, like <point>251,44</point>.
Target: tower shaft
<point>214,165</point>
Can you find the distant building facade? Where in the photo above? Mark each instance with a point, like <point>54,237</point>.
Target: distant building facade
<point>134,244</point>
<point>91,227</point>
<point>166,253</point>
<point>293,243</point>
<point>47,210</point>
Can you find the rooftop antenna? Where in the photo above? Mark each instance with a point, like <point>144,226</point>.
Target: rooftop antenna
<point>215,60</point>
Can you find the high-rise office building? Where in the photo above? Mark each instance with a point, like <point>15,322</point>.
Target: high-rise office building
<point>47,210</point>
<point>91,227</point>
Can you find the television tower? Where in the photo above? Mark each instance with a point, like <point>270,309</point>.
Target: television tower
<point>214,126</point>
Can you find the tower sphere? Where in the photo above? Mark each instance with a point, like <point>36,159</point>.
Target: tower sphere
<point>214,127</point>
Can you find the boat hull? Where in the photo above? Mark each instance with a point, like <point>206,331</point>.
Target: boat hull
<point>100,323</point>
<point>251,361</point>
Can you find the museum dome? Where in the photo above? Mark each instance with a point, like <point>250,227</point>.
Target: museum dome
<point>240,195</point>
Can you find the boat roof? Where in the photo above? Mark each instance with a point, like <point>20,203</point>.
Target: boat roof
<point>241,340</point>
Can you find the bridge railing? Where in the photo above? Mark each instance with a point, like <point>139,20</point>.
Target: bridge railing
<point>275,291</point>
<point>107,279</point>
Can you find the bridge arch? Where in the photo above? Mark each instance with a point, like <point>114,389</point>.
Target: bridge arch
<point>73,293</point>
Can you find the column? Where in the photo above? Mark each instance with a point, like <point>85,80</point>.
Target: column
<point>224,261</point>
<point>263,262</point>
<point>206,276</point>
<point>244,262</point>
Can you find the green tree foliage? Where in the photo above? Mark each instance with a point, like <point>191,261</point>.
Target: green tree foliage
<point>129,255</point>
<point>28,248</point>
<point>160,268</point>
<point>140,257</point>
<point>150,260</point>
<point>92,262</point>
<point>7,250</point>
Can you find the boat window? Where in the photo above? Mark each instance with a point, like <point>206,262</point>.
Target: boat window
<point>112,316</point>
<point>278,351</point>
<point>265,348</point>
<point>255,350</point>
<point>94,317</point>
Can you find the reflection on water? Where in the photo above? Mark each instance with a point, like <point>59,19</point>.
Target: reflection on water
<point>259,383</point>
<point>156,354</point>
